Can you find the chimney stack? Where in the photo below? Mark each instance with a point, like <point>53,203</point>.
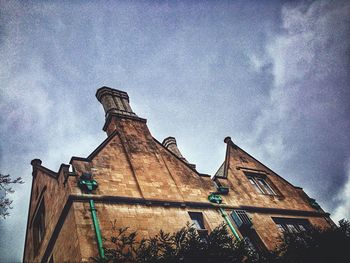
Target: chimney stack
<point>171,145</point>
<point>116,104</point>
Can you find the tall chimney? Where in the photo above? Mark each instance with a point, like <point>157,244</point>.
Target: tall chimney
<point>171,145</point>
<point>115,103</point>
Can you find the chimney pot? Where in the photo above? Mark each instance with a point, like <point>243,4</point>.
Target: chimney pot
<point>36,162</point>
<point>171,145</point>
<point>227,139</point>
<point>116,106</point>
<point>114,102</point>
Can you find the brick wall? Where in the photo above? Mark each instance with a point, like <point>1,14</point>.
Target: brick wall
<point>146,220</point>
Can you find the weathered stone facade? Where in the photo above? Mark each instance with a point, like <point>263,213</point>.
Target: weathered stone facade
<point>148,186</point>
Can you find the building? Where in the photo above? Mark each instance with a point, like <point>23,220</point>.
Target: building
<point>133,180</point>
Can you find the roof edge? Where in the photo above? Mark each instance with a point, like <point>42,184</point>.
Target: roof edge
<point>187,164</point>
<point>229,143</point>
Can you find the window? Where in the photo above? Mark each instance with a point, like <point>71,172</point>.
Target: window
<point>241,219</point>
<point>255,185</point>
<point>198,223</point>
<point>197,220</point>
<point>292,228</point>
<point>39,227</point>
<point>301,227</point>
<point>280,227</point>
<point>266,186</point>
<point>260,184</point>
<point>291,225</point>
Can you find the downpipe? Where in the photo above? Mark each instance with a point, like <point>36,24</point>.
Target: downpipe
<point>87,184</point>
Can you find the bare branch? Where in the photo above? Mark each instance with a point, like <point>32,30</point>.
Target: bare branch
<point>5,203</point>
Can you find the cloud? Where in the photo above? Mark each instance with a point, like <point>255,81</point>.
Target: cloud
<point>305,123</point>
<point>40,116</point>
<point>26,100</point>
<point>274,81</point>
<point>343,209</point>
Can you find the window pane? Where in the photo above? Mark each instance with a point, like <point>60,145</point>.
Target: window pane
<point>292,228</point>
<point>301,227</point>
<point>280,228</point>
<point>197,223</point>
<point>292,225</point>
<point>197,220</point>
<point>255,185</point>
<point>266,187</point>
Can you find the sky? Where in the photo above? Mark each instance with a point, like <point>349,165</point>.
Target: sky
<point>272,75</point>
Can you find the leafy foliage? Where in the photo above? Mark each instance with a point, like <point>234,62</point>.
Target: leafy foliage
<point>184,246</point>
<point>5,203</point>
<point>313,246</point>
<point>317,245</point>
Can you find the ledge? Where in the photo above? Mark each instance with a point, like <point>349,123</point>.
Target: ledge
<point>251,169</point>
<point>158,202</point>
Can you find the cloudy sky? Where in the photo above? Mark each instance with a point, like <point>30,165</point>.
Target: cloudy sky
<point>273,75</point>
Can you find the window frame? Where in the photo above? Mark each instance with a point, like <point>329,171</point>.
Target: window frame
<point>291,225</point>
<point>255,185</point>
<point>198,222</point>
<point>261,184</point>
<point>265,185</point>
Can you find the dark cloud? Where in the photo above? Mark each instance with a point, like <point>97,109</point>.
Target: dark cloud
<point>273,76</point>
<point>303,131</point>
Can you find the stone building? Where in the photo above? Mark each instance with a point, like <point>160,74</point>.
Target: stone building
<point>133,180</point>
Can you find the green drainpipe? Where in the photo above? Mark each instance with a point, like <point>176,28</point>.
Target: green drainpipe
<point>224,215</point>
<point>87,184</point>
<point>217,199</point>
<point>97,229</point>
